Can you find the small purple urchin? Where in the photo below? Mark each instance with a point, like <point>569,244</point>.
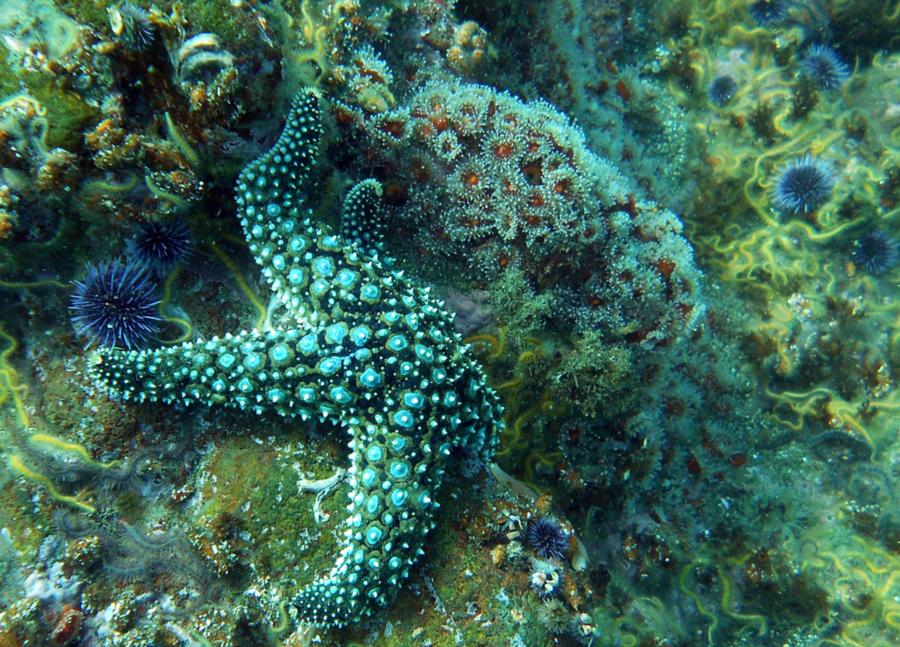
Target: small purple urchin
<point>115,305</point>
<point>722,89</point>
<point>160,245</point>
<point>768,12</point>
<point>824,66</point>
<point>803,185</point>
<point>876,252</point>
<point>547,538</point>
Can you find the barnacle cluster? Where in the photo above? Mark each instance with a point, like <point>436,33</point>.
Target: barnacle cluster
<point>469,47</point>
<point>132,25</point>
<point>203,68</point>
<point>8,216</point>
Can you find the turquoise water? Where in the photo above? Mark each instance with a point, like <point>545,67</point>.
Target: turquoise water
<point>435,323</point>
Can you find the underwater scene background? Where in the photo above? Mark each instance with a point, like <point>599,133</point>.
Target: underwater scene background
<point>432,323</point>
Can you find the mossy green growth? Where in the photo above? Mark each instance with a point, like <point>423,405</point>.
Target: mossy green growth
<point>519,309</point>
<point>90,12</point>
<point>10,578</point>
<point>130,506</point>
<point>26,528</point>
<point>9,83</point>
<point>67,114</point>
<point>597,375</point>
<point>218,17</point>
<point>258,483</point>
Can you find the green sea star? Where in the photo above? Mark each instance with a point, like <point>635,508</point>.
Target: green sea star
<point>348,340</point>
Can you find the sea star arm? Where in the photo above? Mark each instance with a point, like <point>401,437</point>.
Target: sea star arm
<point>362,346</point>
<point>271,203</point>
<point>405,409</point>
<point>281,371</point>
<point>363,221</point>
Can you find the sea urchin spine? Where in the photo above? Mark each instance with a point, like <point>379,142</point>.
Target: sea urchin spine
<point>803,185</point>
<point>876,252</point>
<point>768,12</point>
<point>547,538</point>
<point>722,90</point>
<point>824,66</point>
<point>115,305</point>
<point>160,245</point>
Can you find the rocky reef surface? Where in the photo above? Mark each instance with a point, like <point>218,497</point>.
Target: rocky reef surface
<point>601,296</point>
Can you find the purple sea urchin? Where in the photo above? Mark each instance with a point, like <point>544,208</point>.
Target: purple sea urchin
<point>115,305</point>
<point>768,12</point>
<point>824,66</point>
<point>803,185</point>
<point>722,89</point>
<point>547,538</point>
<point>159,246</point>
<point>876,252</point>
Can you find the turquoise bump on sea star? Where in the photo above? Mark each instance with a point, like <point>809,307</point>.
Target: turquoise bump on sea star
<point>349,340</point>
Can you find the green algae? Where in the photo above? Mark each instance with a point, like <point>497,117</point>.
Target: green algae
<point>258,484</point>
<point>598,375</point>
<point>26,527</point>
<point>90,12</point>
<point>67,114</point>
<point>519,308</point>
<point>9,82</point>
<point>218,17</point>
